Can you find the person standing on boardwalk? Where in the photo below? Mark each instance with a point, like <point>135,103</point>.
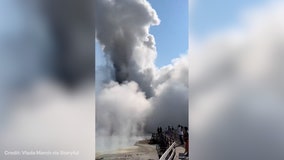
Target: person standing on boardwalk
<point>186,139</point>
<point>180,133</point>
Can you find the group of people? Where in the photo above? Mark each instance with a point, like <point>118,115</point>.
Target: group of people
<point>183,136</point>
<point>169,129</point>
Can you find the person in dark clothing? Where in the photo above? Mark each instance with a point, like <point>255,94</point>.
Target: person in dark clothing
<point>180,133</point>
<point>160,130</point>
<point>186,139</point>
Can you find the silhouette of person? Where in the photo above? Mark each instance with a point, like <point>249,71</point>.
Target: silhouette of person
<point>180,133</point>
<point>186,139</point>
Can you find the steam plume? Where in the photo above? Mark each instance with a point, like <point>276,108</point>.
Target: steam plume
<point>133,95</point>
<point>123,31</point>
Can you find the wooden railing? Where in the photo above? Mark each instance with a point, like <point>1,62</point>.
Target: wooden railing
<point>165,144</point>
<point>170,153</point>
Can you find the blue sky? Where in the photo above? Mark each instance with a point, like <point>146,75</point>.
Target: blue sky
<point>209,16</point>
<point>172,34</point>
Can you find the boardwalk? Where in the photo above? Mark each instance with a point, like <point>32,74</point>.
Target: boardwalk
<point>168,145</point>
<point>179,151</point>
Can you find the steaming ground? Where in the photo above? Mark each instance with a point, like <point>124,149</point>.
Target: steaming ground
<point>236,86</point>
<point>133,96</point>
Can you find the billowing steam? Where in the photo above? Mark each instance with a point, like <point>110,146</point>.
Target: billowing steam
<point>236,86</point>
<point>170,104</point>
<point>122,28</point>
<point>132,95</point>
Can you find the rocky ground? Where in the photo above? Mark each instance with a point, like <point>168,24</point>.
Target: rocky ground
<point>140,151</point>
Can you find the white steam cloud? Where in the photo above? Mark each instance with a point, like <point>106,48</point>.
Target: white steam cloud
<point>122,28</point>
<point>133,96</point>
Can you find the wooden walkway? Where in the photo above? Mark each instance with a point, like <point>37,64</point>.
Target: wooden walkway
<point>168,146</point>
<point>179,153</point>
